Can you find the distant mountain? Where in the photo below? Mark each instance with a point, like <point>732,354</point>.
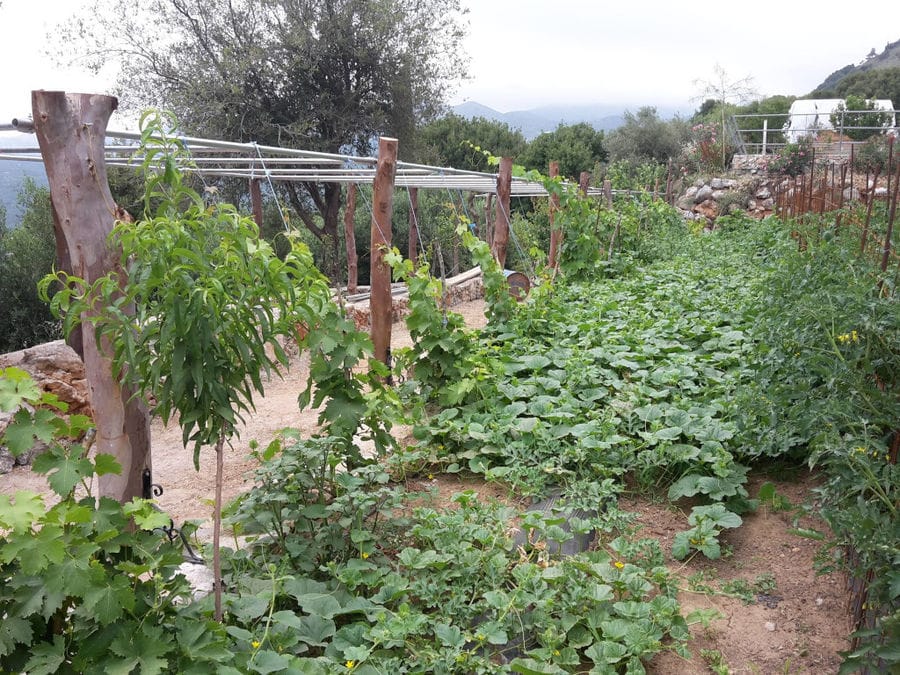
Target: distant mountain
<point>535,121</point>
<point>889,58</point>
<point>13,173</point>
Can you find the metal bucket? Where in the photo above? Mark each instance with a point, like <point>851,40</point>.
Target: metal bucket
<point>519,285</point>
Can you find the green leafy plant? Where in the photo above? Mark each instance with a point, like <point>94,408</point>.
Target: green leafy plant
<point>792,159</point>
<point>210,299</point>
<point>89,584</point>
<point>708,523</point>
<point>859,118</point>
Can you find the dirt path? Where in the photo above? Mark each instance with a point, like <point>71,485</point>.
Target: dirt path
<point>187,493</point>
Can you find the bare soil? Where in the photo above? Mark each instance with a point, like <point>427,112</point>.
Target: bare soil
<point>808,612</point>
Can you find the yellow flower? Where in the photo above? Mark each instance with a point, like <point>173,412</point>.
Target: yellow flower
<point>255,644</point>
<point>555,652</point>
<point>619,565</point>
<point>350,665</point>
<point>364,555</point>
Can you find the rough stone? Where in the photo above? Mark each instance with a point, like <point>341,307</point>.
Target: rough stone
<point>708,209</point>
<point>703,194</point>
<point>752,204</point>
<point>7,461</point>
<point>719,194</point>
<point>56,369</point>
<point>763,193</point>
<point>691,191</point>
<point>722,183</point>
<point>770,626</point>
<point>767,203</point>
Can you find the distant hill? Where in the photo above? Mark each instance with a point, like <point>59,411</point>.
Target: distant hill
<point>13,173</point>
<point>889,58</point>
<point>535,121</point>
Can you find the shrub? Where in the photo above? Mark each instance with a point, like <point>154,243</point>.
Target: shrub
<point>793,158</point>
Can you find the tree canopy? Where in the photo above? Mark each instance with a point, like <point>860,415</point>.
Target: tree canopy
<point>449,141</point>
<point>645,137</point>
<point>577,148</point>
<point>326,75</point>
<point>880,83</point>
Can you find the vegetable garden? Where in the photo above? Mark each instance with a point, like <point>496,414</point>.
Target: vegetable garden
<point>662,359</point>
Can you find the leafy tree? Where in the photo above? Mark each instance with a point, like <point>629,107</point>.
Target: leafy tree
<point>774,108</point>
<point>324,75</point>
<point>577,148</point>
<point>857,124</point>
<point>27,253</point>
<point>881,83</point>
<point>645,137</point>
<point>449,141</point>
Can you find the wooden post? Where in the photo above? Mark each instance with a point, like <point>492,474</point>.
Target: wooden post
<point>380,271</point>
<point>414,225</point>
<point>488,230</point>
<point>71,130</point>
<point>501,218</point>
<point>584,182</point>
<point>470,202</point>
<point>555,234</point>
<point>350,239</point>
<point>256,202</point>
<point>607,193</point>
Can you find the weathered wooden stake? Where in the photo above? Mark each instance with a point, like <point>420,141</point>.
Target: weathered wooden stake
<point>584,182</point>
<point>607,193</point>
<point>256,202</point>
<point>488,230</point>
<point>71,129</point>
<point>350,239</point>
<point>414,225</point>
<point>555,233</point>
<point>501,218</point>
<point>380,271</point>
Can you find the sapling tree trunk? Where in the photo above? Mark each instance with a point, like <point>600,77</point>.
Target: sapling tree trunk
<point>217,525</point>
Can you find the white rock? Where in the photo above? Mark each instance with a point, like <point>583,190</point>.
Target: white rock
<point>770,626</point>
<point>819,602</point>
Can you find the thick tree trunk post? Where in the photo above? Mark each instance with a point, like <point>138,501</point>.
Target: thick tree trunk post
<point>607,193</point>
<point>414,225</point>
<point>555,233</point>
<point>71,129</point>
<point>350,239</point>
<point>501,218</point>
<point>382,209</point>
<point>256,202</point>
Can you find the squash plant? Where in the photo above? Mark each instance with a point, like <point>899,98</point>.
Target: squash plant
<point>211,299</point>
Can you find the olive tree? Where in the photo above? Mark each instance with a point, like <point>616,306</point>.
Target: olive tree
<point>323,75</point>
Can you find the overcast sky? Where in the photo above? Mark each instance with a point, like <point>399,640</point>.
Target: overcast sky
<point>527,53</point>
